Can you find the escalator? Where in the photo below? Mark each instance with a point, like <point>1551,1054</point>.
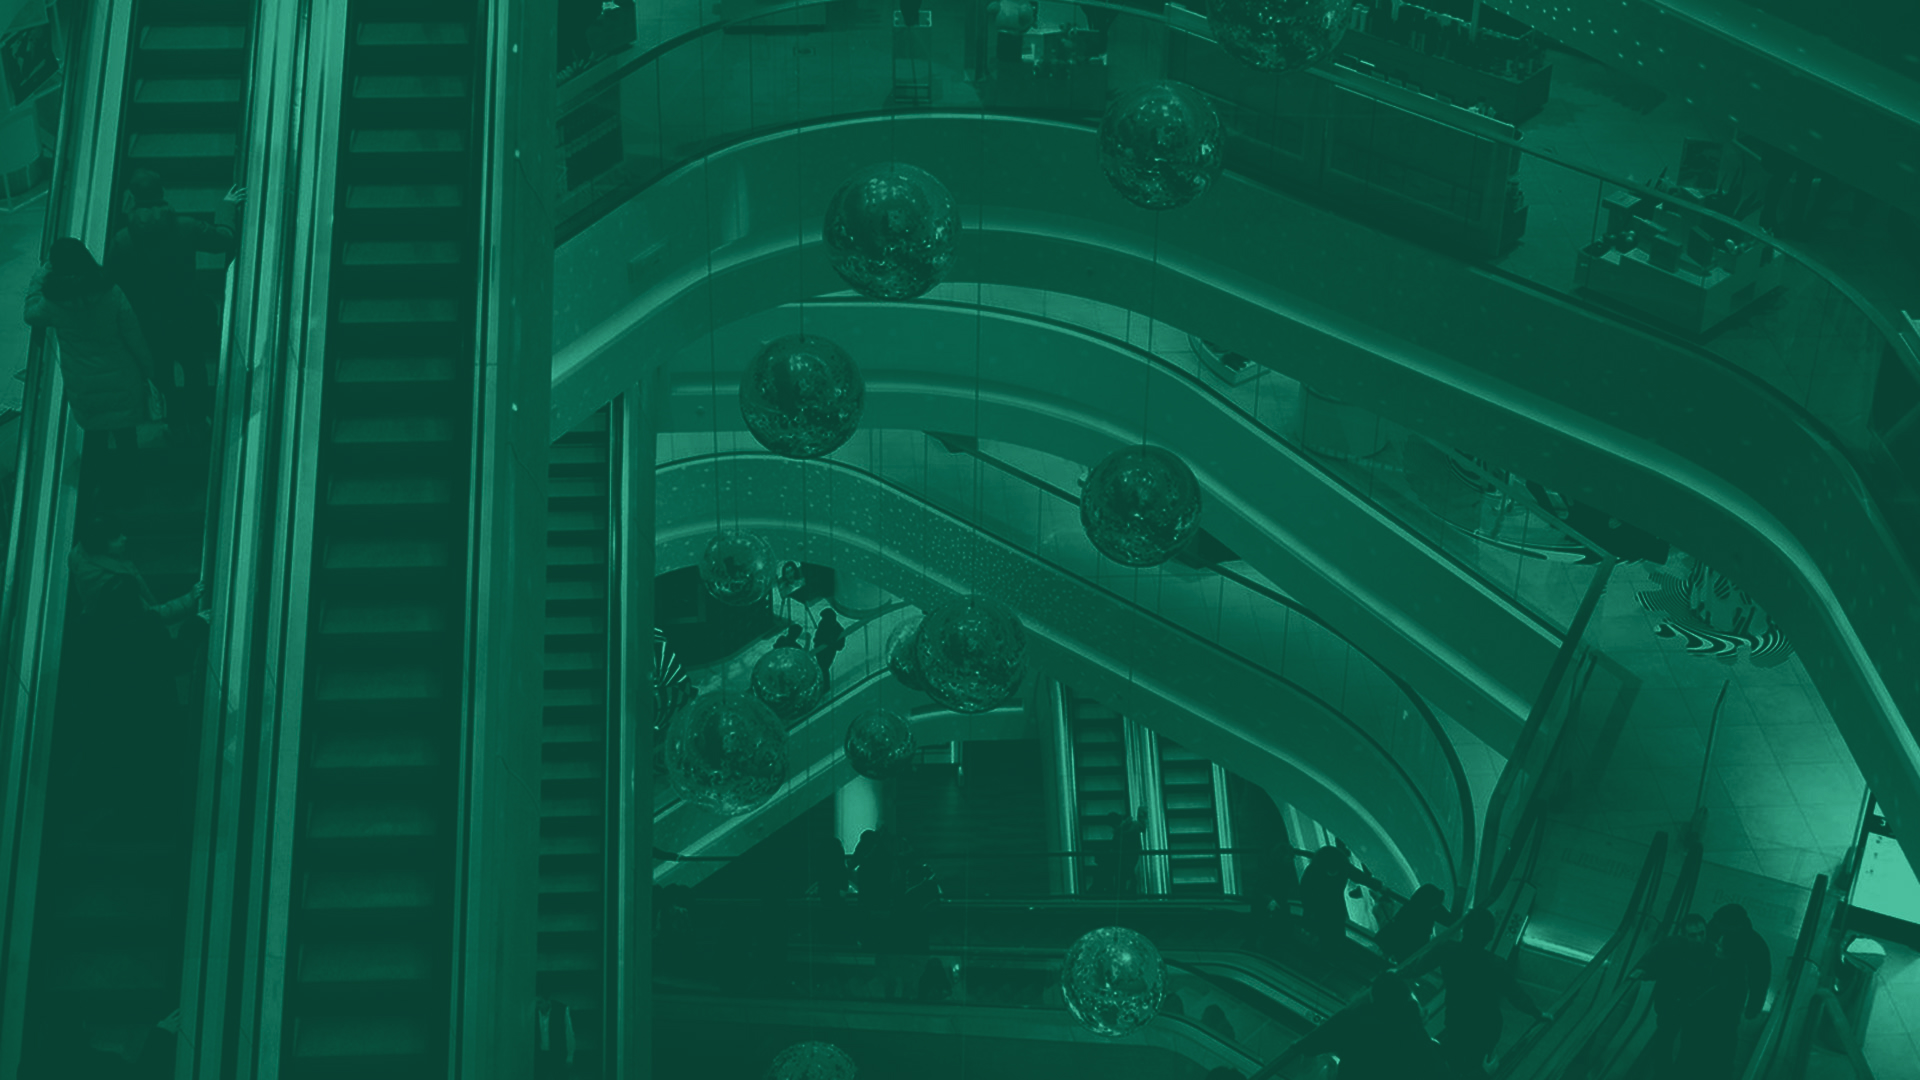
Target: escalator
<point>573,766</point>
<point>368,947</point>
<point>1102,782</point>
<point>1193,804</point>
<point>107,943</point>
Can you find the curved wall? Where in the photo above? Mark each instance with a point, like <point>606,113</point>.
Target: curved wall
<point>1212,703</point>
<point>1575,401</point>
<point>1080,396</point>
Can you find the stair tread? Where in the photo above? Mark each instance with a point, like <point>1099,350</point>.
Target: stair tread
<point>400,253</point>
<point>391,491</point>
<point>193,37</point>
<point>414,87</point>
<point>402,34</point>
<point>360,819</point>
<point>388,555</point>
<point>362,890</point>
<point>188,92</point>
<point>362,430</point>
<point>405,197</point>
<point>369,1035</point>
<point>365,961</point>
<point>359,370</point>
<point>406,309</point>
<point>406,140</point>
<point>385,619</point>
<point>183,144</point>
<point>388,748</point>
<point>381,684</point>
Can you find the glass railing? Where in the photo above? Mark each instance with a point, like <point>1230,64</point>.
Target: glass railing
<point>1503,559</point>
<point>1685,266</point>
<point>1269,632</point>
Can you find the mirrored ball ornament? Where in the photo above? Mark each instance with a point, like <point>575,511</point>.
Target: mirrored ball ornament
<point>789,681</point>
<point>1278,35</point>
<point>903,657</point>
<point>1140,505</point>
<point>1114,980</point>
<point>879,744</point>
<point>972,654</point>
<point>812,1061</point>
<point>802,396</point>
<point>1160,145</point>
<point>891,230</point>
<point>727,752</point>
<point>737,568</point>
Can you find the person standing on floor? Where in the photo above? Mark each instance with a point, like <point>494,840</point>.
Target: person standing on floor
<point>1476,981</point>
<point>104,360</point>
<point>153,262</point>
<point>1678,967</point>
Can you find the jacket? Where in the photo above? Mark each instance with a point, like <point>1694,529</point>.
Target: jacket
<point>103,355</point>
<point>91,574</point>
<point>152,260</point>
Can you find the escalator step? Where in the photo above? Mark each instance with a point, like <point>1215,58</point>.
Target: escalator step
<point>402,311</point>
<point>193,37</point>
<point>386,370</point>
<point>168,151</point>
<point>402,88</point>
<point>577,521</point>
<point>570,922</point>
<point>386,620</point>
<point>592,623</point>
<point>359,889</point>
<point>559,555</point>
<point>412,432</point>
<point>1179,799</point>
<point>578,881</point>
<point>577,590</point>
<point>1103,782</point>
<point>381,684</point>
<point>570,770</point>
<point>576,487</point>
<point>187,92</point>
<point>578,806</point>
<point>401,253</point>
<point>375,1037</point>
<point>575,662</point>
<point>389,491</point>
<point>584,960</point>
<point>110,972</point>
<point>386,750</point>
<point>365,961</point>
<point>569,846</point>
<point>411,555</point>
<point>370,819</point>
<point>571,697</point>
<point>408,197</point>
<point>568,455</point>
<point>407,142</point>
<point>572,734</point>
<point>411,35</point>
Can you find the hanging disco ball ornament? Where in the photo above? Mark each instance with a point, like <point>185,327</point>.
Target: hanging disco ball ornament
<point>1114,980</point>
<point>737,568</point>
<point>879,744</point>
<point>802,396</point>
<point>812,1061</point>
<point>1160,145</point>
<point>1140,505</point>
<point>903,657</point>
<point>727,752</point>
<point>890,231</point>
<point>1278,35</point>
<point>789,681</point>
<point>972,654</point>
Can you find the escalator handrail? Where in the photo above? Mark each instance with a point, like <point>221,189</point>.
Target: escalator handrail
<point>33,596</point>
<point>580,90</point>
<point>1789,1005</point>
<point>1454,857</point>
<point>1645,888</point>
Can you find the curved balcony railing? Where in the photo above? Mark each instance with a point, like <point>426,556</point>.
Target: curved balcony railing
<point>1729,289</point>
<point>1409,750</point>
<point>1803,350</point>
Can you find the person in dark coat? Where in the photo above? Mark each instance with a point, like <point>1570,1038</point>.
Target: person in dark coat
<point>1272,887</point>
<point>1379,1037</point>
<point>104,361</point>
<point>828,639</point>
<point>1323,889</point>
<point>152,260</point>
<point>1476,982</point>
<point>1735,984</point>
<point>1678,966</point>
<point>1412,926</point>
<point>1116,863</point>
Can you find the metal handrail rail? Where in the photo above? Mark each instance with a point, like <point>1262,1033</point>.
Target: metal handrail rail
<point>33,595</point>
<point>1632,921</point>
<point>596,80</point>
<point>890,485</point>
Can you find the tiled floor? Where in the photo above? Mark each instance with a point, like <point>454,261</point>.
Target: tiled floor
<point>1892,1038</point>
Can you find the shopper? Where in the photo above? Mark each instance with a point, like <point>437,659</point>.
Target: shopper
<point>1476,981</point>
<point>153,261</point>
<point>1323,888</point>
<point>1412,926</point>
<point>828,639</point>
<point>1678,967</point>
<point>1379,1037</point>
<point>1272,888</point>
<point>1735,984</point>
<point>109,372</point>
<point>1116,862</point>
